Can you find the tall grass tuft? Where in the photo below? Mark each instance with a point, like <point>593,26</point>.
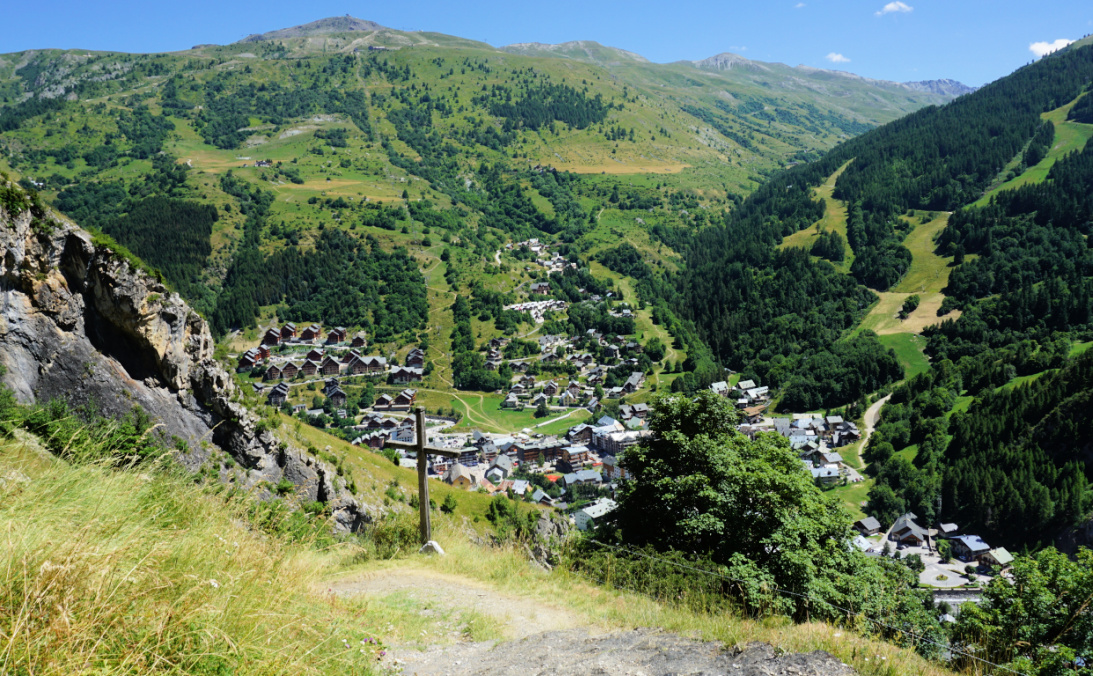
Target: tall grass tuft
<point>114,572</point>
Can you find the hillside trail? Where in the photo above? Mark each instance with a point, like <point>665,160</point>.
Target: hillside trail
<point>538,638</point>
<point>452,602</point>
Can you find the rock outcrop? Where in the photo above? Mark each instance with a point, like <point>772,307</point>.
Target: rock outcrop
<point>81,323</point>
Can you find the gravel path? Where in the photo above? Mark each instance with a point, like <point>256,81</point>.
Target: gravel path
<point>541,639</point>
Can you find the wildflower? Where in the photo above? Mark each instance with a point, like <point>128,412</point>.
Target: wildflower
<point>214,584</point>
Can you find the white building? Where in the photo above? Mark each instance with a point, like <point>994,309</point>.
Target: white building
<point>587,517</point>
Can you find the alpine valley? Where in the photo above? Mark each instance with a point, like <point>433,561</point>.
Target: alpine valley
<point>794,329</point>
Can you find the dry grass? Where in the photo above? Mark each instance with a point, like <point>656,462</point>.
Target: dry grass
<point>622,168</point>
<point>884,317</point>
<point>112,572</point>
<point>508,571</point>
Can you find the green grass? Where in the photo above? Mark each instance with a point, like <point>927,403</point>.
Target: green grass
<point>1078,349</point>
<point>135,573</point>
<point>929,272</point>
<point>852,496</point>
<point>1069,137</point>
<point>834,219</point>
<point>909,350</point>
<point>962,404</point>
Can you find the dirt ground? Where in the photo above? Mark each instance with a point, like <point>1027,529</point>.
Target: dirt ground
<point>539,638</point>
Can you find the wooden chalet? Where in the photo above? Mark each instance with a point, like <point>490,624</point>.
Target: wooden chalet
<point>359,340</point>
<point>416,358</point>
<point>278,395</point>
<point>405,398</point>
<point>405,374</point>
<point>338,335</point>
<point>311,333</point>
<point>288,331</point>
<point>272,337</point>
<point>273,373</point>
<point>290,371</point>
<point>309,368</point>
<point>330,366</point>
<point>337,397</point>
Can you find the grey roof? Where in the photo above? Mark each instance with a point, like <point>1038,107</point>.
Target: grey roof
<point>868,523</point>
<point>906,523</point>
<point>974,543</point>
<point>599,508</point>
<point>502,462</point>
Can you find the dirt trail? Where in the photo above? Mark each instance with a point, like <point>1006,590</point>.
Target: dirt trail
<point>871,415</point>
<point>435,594</point>
<point>540,639</point>
<point>518,616</point>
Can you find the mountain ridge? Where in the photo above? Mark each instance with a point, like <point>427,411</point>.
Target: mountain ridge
<point>333,24</point>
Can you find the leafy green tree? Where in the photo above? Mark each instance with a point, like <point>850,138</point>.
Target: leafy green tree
<point>1039,622</point>
<point>700,486</point>
<point>655,349</point>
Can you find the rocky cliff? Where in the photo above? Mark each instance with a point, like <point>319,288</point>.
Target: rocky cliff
<point>82,323</point>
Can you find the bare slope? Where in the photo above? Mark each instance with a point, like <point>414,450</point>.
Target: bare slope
<point>334,24</point>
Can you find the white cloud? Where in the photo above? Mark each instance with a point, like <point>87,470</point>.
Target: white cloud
<point>896,6</point>
<point>799,5</point>
<point>1041,49</point>
<point>835,57</point>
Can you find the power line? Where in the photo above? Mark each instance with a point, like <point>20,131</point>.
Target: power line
<point>849,613</point>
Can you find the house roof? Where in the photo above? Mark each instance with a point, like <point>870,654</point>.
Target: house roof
<point>456,471</point>
<point>868,523</point>
<point>862,544</point>
<point>974,543</point>
<point>1002,556</point>
<point>599,508</point>
<point>503,462</point>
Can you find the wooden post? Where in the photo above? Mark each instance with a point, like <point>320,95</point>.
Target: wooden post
<point>422,479</point>
<point>423,451</point>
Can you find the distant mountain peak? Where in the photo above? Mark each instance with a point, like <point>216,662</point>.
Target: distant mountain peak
<point>944,87</point>
<point>334,24</point>
<point>729,61</point>
<point>579,50</point>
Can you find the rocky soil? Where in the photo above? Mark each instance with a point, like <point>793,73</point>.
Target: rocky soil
<point>642,651</point>
<point>80,323</point>
<point>537,637</point>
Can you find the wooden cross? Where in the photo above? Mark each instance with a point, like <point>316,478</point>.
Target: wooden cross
<point>419,447</point>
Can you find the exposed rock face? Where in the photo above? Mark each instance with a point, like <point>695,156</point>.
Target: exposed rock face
<point>78,322</point>
<point>944,87</point>
<point>550,538</point>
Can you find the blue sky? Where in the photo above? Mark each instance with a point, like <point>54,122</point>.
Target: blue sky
<point>974,41</point>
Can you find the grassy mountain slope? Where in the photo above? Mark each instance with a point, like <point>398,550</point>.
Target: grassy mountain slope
<point>133,591</point>
<point>363,124</point>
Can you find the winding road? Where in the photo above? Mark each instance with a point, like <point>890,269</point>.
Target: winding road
<point>871,415</point>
